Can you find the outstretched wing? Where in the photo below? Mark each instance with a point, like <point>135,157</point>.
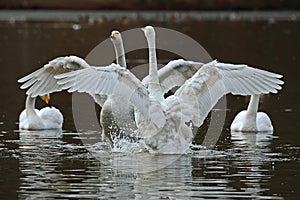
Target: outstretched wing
<point>213,80</point>
<point>42,81</point>
<point>175,73</point>
<point>106,81</point>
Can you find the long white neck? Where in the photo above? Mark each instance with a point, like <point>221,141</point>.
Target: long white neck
<point>251,114</point>
<point>120,53</point>
<point>154,86</point>
<point>29,106</point>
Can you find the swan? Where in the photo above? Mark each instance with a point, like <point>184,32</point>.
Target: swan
<point>34,119</point>
<point>115,115</point>
<point>166,123</point>
<point>250,120</point>
<point>219,78</point>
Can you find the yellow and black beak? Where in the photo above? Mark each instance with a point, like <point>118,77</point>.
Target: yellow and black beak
<point>47,99</point>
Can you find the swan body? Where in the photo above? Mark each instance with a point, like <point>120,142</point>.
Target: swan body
<point>250,120</point>
<point>34,119</point>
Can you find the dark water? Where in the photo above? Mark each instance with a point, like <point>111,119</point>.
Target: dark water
<point>51,164</point>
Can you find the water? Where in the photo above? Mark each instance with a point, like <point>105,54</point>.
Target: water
<point>51,164</point>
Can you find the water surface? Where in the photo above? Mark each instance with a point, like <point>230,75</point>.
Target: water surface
<point>51,164</point>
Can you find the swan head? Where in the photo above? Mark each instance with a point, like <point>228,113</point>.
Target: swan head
<point>115,35</point>
<point>116,39</point>
<point>149,32</point>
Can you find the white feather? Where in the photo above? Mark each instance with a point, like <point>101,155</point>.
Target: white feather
<point>42,81</point>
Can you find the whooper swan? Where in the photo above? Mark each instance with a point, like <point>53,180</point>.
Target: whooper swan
<point>250,120</point>
<point>34,119</point>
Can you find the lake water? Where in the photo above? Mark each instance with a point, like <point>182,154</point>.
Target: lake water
<point>52,164</point>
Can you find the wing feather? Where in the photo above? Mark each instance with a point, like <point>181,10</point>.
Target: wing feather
<point>106,81</point>
<point>271,82</point>
<point>42,81</point>
<point>213,80</point>
<point>30,76</point>
<point>175,73</point>
<point>232,74</point>
<point>28,83</point>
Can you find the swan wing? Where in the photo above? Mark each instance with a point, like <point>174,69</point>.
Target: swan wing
<point>213,80</point>
<point>107,80</point>
<point>175,73</point>
<point>42,81</point>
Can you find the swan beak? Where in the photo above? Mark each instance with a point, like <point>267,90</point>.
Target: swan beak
<point>47,98</point>
<point>114,34</point>
<point>143,29</point>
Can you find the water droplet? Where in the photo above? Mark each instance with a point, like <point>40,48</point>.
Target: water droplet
<point>288,110</point>
<point>76,27</point>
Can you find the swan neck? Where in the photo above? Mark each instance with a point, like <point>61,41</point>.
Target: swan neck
<point>153,74</point>
<point>250,118</point>
<point>253,104</point>
<point>29,105</point>
<point>120,53</point>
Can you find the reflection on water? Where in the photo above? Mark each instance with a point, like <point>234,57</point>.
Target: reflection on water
<point>54,164</point>
<point>50,167</point>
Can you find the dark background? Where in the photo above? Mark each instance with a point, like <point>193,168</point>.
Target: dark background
<point>152,4</point>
